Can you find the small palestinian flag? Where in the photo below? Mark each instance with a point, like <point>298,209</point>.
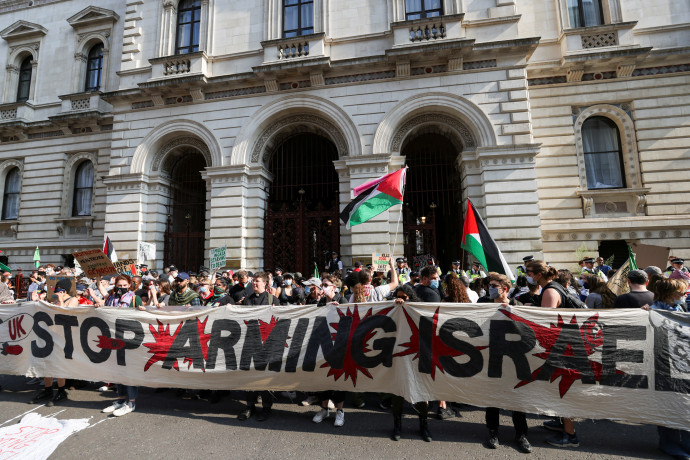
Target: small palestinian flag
<point>109,250</point>
<point>374,197</point>
<point>477,241</point>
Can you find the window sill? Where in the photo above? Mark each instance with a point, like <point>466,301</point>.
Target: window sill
<point>16,111</point>
<point>583,39</point>
<point>294,48</point>
<point>75,226</point>
<point>9,228</point>
<point>617,202</point>
<point>427,30</point>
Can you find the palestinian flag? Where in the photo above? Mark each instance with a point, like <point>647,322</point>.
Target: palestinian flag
<point>109,250</point>
<point>477,241</point>
<point>374,197</point>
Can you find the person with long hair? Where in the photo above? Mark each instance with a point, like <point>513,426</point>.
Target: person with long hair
<point>538,272</point>
<point>669,294</point>
<point>363,291</point>
<point>455,290</point>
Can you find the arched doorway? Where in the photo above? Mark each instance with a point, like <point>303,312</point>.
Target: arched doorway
<point>301,225</point>
<point>432,218</point>
<point>186,223</point>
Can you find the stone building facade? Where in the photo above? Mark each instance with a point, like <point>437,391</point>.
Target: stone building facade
<point>246,124</point>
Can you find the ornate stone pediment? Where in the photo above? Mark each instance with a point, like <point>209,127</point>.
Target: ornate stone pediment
<point>92,15</point>
<point>21,30</point>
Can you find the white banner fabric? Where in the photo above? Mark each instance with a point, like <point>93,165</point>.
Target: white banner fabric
<point>36,437</point>
<point>621,364</point>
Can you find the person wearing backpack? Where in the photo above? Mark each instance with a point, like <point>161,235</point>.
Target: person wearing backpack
<point>553,295</point>
<point>259,297</point>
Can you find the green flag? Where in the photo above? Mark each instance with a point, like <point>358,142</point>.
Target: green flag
<point>316,271</point>
<point>5,268</point>
<point>631,257</point>
<point>37,257</point>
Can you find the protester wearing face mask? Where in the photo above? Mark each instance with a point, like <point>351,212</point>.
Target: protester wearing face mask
<point>669,294</point>
<point>499,286</point>
<point>291,293</point>
<point>182,295</point>
<point>330,296</point>
<point>204,289</point>
<point>429,282</point>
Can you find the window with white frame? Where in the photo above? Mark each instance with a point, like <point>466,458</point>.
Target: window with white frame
<point>188,26</point>
<point>83,189</point>
<point>298,18</point>
<point>419,9</point>
<point>10,198</point>
<point>601,146</point>
<point>585,13</point>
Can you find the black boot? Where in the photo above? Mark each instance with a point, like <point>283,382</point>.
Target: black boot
<point>397,427</point>
<point>424,429</point>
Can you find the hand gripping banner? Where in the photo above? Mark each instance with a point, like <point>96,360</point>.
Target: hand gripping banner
<point>629,365</point>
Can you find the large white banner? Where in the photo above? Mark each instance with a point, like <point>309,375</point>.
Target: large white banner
<point>627,364</point>
<point>36,437</point>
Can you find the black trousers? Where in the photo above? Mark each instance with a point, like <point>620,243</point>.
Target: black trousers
<point>253,397</point>
<point>422,407</point>
<point>336,396</point>
<point>519,420</point>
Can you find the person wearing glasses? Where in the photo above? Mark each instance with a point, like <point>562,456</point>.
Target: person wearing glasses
<point>499,287</point>
<point>330,294</point>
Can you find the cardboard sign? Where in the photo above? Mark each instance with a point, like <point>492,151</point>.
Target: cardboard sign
<point>146,251</point>
<point>94,263</point>
<point>52,280</point>
<point>380,261</point>
<point>126,266</point>
<point>218,257</point>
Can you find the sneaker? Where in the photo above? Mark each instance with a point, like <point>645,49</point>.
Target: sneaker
<point>339,418</point>
<point>264,414</point>
<point>331,406</point>
<point>246,413</point>
<point>310,400</point>
<point>320,415</point>
<point>564,440</point>
<point>124,410</point>
<point>492,441</point>
<point>445,413</point>
<point>554,425</point>
<point>113,407</point>
<point>45,393</point>
<point>523,444</point>
<point>60,394</point>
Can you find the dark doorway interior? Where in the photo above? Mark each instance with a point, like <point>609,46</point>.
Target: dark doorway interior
<point>433,200</point>
<point>616,248</point>
<point>301,225</point>
<point>184,239</point>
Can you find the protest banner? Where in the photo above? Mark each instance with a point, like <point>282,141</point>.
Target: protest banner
<point>126,266</point>
<point>36,437</point>
<point>380,261</point>
<point>51,280</point>
<point>94,263</point>
<point>622,364</point>
<point>146,251</point>
<point>218,257</point>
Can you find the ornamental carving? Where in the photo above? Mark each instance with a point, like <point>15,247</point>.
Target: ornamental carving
<point>322,126</point>
<point>182,142</point>
<point>433,118</point>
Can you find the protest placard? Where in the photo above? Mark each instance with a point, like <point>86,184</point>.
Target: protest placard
<point>146,251</point>
<point>126,266</point>
<point>52,280</point>
<point>94,263</point>
<point>380,261</point>
<point>218,257</point>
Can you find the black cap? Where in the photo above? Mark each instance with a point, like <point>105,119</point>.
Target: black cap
<point>677,260</point>
<point>64,284</point>
<point>192,273</point>
<point>400,260</point>
<point>278,269</point>
<point>456,262</point>
<point>528,258</point>
<point>476,262</point>
<point>414,274</point>
<point>173,268</point>
<point>358,264</point>
<point>144,266</point>
<point>588,260</point>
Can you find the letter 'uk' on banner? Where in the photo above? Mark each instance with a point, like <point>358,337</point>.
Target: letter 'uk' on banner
<point>621,364</point>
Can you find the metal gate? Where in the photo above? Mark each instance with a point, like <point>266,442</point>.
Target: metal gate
<point>301,226</point>
<point>186,221</point>
<point>432,218</point>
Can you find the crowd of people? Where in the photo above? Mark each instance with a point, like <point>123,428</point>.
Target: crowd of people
<point>536,284</point>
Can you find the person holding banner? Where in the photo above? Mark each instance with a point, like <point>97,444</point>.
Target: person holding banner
<point>538,272</point>
<point>365,292</point>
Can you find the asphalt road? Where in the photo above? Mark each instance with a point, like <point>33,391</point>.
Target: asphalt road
<point>168,426</point>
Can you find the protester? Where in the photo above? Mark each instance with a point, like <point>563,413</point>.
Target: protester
<point>290,293</point>
<point>182,295</point>
<point>365,290</point>
<point>669,295</point>
<point>638,296</point>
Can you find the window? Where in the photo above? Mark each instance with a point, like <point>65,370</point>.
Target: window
<point>418,9</point>
<point>298,17</point>
<point>585,13</point>
<point>83,190</point>
<point>24,85</point>
<point>603,156</point>
<point>188,22</point>
<point>10,202</point>
<point>94,68</point>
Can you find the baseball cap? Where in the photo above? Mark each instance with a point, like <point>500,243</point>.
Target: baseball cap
<point>312,282</point>
<point>182,276</point>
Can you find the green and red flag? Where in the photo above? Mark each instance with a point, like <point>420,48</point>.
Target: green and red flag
<point>477,241</point>
<point>374,197</point>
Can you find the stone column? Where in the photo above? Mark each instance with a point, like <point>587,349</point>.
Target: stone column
<point>34,79</point>
<point>203,27</point>
<point>125,212</point>
<point>502,184</point>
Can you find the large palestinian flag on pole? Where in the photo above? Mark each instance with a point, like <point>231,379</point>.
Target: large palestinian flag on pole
<point>374,197</point>
<point>477,241</point>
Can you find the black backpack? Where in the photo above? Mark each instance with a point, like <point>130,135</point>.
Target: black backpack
<point>567,299</point>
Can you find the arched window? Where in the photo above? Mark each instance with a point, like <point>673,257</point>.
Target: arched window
<point>601,144</point>
<point>585,13</point>
<point>188,23</point>
<point>418,9</point>
<point>298,17</point>
<point>10,201</point>
<point>83,189</point>
<point>94,68</point>
<point>24,86</point>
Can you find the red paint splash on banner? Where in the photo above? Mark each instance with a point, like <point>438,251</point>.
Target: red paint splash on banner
<point>162,345</point>
<point>108,343</point>
<point>203,340</point>
<point>350,367</point>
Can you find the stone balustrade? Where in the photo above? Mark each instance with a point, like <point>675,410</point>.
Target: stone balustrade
<point>294,48</point>
<point>418,31</point>
<point>180,65</point>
